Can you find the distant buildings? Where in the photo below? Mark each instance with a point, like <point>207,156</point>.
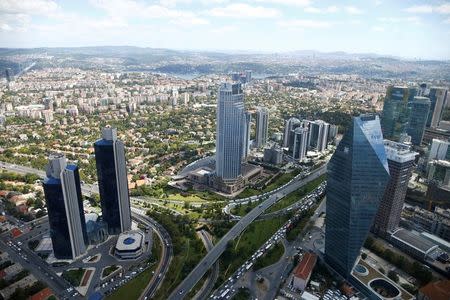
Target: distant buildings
<point>231,125</point>
<point>245,77</point>
<point>395,114</point>
<point>112,181</point>
<point>438,98</point>
<point>436,222</point>
<point>289,126</point>
<point>401,162</point>
<point>357,176</point>
<point>300,143</point>
<point>262,126</point>
<point>318,135</point>
<point>420,107</point>
<point>65,208</point>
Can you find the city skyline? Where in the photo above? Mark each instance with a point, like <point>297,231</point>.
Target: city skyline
<point>212,25</point>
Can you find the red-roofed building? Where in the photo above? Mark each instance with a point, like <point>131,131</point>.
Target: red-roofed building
<point>303,271</point>
<point>438,290</point>
<point>15,232</point>
<point>42,295</point>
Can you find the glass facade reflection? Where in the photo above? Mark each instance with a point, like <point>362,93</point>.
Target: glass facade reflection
<point>357,176</point>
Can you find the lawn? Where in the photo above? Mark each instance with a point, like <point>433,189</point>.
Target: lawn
<point>109,270</point>
<point>247,243</point>
<point>270,257</point>
<point>74,276</point>
<point>134,288</point>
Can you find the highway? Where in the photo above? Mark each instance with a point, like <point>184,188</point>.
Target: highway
<point>211,280</point>
<point>59,283</point>
<point>211,257</point>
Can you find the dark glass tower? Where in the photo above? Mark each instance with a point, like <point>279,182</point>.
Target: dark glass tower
<point>438,98</point>
<point>112,181</point>
<point>65,208</point>
<point>357,176</point>
<point>396,111</point>
<point>420,108</point>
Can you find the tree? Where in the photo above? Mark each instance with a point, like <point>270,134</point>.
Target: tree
<point>363,255</point>
<point>393,276</point>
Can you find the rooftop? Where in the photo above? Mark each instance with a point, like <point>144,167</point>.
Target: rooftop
<point>438,290</point>
<point>305,267</point>
<point>415,240</point>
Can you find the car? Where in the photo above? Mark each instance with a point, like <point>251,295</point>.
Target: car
<point>181,292</point>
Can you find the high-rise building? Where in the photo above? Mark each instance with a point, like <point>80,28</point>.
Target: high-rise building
<point>248,76</point>
<point>300,143</point>
<point>438,98</point>
<point>65,208</point>
<point>8,74</point>
<point>288,136</point>
<point>262,126</point>
<point>357,176</point>
<point>112,181</point>
<point>439,150</point>
<point>246,136</point>
<point>420,108</point>
<point>318,135</point>
<point>401,163</point>
<point>332,133</point>
<point>231,122</point>
<point>396,109</point>
<point>235,76</point>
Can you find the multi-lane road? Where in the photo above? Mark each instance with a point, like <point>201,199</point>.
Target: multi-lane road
<point>211,257</point>
<point>59,284</point>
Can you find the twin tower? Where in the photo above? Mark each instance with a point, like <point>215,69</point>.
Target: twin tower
<point>63,195</point>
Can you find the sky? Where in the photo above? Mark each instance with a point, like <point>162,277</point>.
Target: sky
<point>417,29</point>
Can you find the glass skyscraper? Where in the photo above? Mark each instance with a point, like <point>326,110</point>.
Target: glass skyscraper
<point>396,111</point>
<point>112,181</point>
<point>289,126</point>
<point>438,98</point>
<point>357,176</point>
<point>65,208</point>
<point>419,110</point>
<point>262,125</point>
<point>231,125</point>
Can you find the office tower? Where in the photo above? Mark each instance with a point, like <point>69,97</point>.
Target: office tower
<point>439,150</point>
<point>318,135</point>
<point>300,143</point>
<point>230,130</point>
<point>332,133</point>
<point>112,181</point>
<point>401,163</point>
<point>8,74</point>
<point>419,109</point>
<point>248,76</point>
<point>186,99</point>
<point>262,126</point>
<point>235,76</point>
<point>48,102</point>
<point>422,90</point>
<point>246,136</point>
<point>395,114</point>
<point>357,176</point>
<point>438,98</point>
<point>288,136</point>
<point>65,208</point>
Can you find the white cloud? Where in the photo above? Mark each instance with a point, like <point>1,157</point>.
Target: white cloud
<point>447,21</point>
<point>304,24</point>
<point>32,7</point>
<point>5,27</point>
<point>326,10</point>
<point>427,9</point>
<point>353,10</point>
<point>224,29</point>
<point>242,10</point>
<point>377,28</point>
<point>393,20</point>
<point>287,2</point>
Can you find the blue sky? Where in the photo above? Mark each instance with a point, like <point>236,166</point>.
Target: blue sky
<point>406,28</point>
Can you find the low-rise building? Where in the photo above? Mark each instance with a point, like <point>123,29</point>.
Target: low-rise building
<point>438,290</point>
<point>302,272</point>
<point>129,245</point>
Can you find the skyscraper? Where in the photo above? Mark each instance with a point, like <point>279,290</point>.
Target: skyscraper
<point>246,136</point>
<point>262,125</point>
<point>396,109</point>
<point>65,208</point>
<point>112,181</point>
<point>357,176</point>
<point>401,162</point>
<point>300,143</point>
<point>438,98</point>
<point>439,150</point>
<point>420,108</point>
<point>289,126</point>
<point>318,135</point>
<point>230,131</point>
